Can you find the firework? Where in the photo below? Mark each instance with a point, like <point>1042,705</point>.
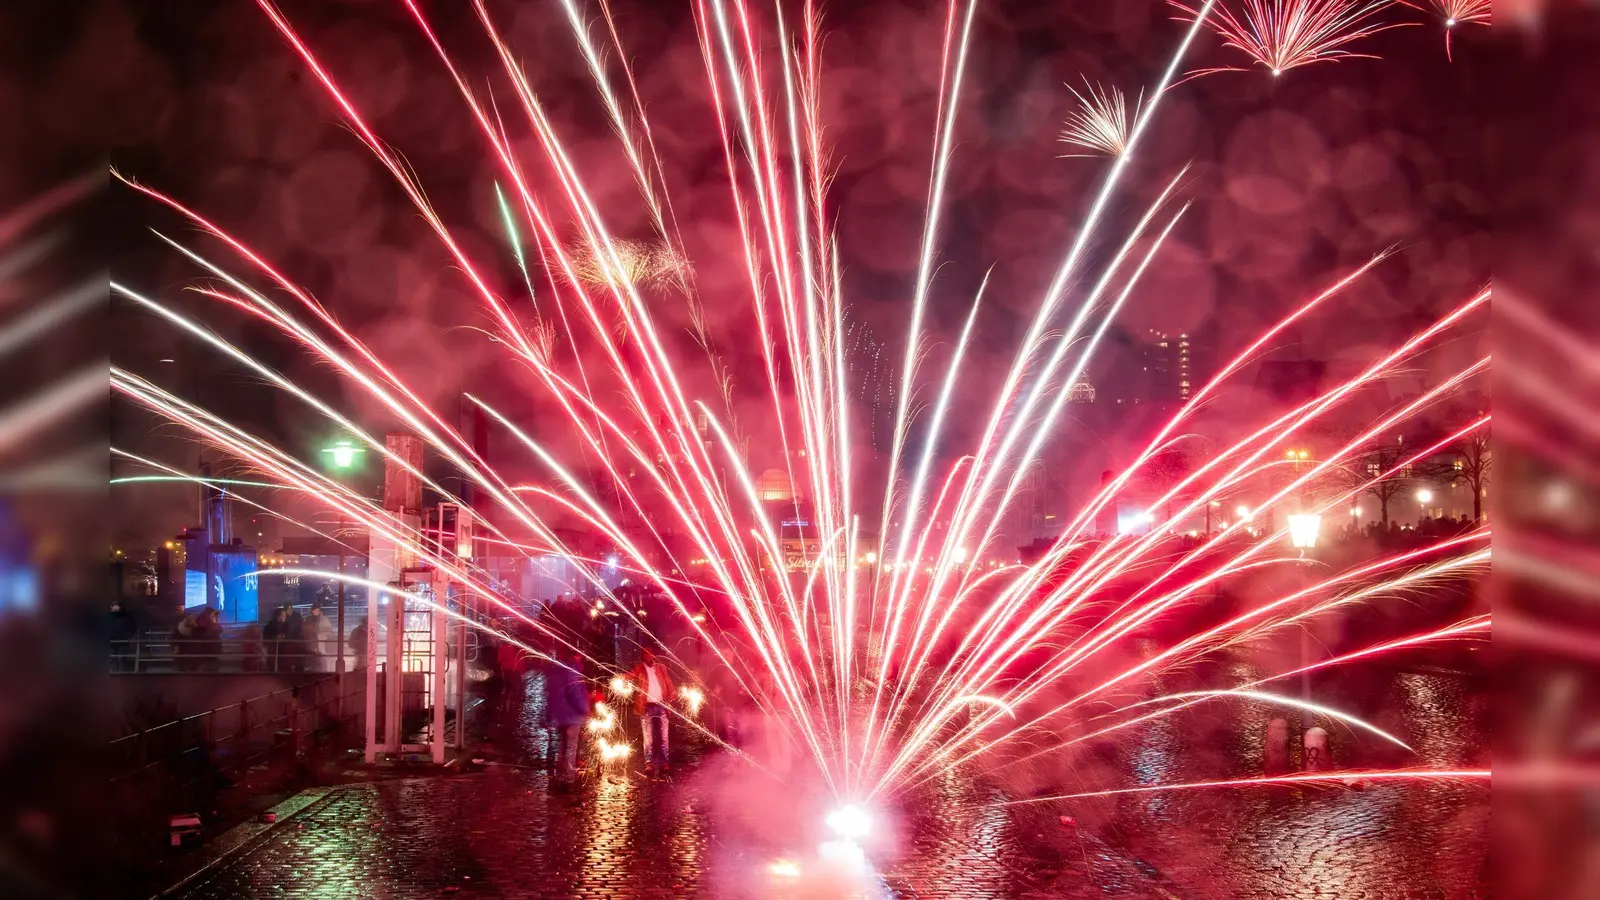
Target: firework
<point>1316,778</point>
<point>693,699</point>
<point>1102,120</point>
<point>1454,13</point>
<point>635,263</point>
<point>893,660</point>
<point>604,721</point>
<point>612,752</point>
<point>1283,34</point>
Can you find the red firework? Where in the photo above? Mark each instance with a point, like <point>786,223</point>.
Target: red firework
<point>1284,34</point>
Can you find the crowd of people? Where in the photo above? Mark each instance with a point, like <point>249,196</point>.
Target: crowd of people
<point>289,642</point>
<point>573,691</point>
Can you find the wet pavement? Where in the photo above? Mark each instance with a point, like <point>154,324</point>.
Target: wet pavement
<point>715,828</point>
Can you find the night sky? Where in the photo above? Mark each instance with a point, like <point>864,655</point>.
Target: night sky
<point>1293,180</point>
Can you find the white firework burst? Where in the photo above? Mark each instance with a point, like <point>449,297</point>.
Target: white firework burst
<point>1102,121</point>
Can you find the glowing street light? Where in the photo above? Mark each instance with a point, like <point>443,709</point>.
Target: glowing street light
<point>1303,529</point>
<point>343,454</point>
<point>1242,512</point>
<point>1424,495</point>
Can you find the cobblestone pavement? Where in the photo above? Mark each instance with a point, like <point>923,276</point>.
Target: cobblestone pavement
<point>714,829</point>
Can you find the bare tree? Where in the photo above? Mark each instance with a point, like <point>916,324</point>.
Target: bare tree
<point>1466,462</point>
<point>1162,472</point>
<point>1374,463</point>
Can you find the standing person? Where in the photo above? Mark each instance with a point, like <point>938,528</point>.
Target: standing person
<point>566,708</point>
<point>318,634</point>
<point>512,665</point>
<point>124,631</point>
<point>652,686</point>
<point>250,648</point>
<point>184,652</point>
<point>209,632</point>
<point>277,635</point>
<point>295,643</point>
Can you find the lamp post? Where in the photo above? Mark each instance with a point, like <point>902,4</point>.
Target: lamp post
<point>342,458</point>
<point>1304,529</point>
<point>1424,496</point>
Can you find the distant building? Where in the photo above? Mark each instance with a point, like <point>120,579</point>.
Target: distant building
<point>1168,366</point>
<point>1151,366</point>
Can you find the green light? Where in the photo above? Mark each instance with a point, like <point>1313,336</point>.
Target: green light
<point>343,454</point>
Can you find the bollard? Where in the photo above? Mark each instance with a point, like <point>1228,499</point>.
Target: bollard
<point>1316,757</point>
<point>185,829</point>
<point>1275,756</point>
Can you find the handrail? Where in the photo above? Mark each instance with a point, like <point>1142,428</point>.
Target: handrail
<point>270,694</point>
<point>138,741</point>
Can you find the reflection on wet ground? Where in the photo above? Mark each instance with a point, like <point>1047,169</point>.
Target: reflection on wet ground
<point>718,830</point>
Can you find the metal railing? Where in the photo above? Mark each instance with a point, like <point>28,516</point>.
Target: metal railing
<point>243,733</point>
<point>267,740</point>
<point>159,652</point>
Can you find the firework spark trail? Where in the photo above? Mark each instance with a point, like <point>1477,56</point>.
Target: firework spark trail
<point>1035,444</point>
<point>296,475</point>
<point>1072,534</point>
<point>632,310</point>
<point>1101,121</point>
<point>179,475</point>
<point>944,130</point>
<point>802,639</point>
<point>1284,427</point>
<point>1284,34</point>
<point>1327,778</point>
<point>1456,12</point>
<point>1030,343</point>
<point>1207,640</point>
<point>593,513</point>
<point>1467,628</point>
<point>294,329</point>
<point>1049,614</point>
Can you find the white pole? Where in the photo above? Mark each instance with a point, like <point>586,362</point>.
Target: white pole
<point>440,656</point>
<point>394,674</point>
<point>371,653</point>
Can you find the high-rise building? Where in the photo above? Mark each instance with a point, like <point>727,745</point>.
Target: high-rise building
<point>1151,366</point>
<point>1168,365</point>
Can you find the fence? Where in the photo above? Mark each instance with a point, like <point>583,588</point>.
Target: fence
<point>234,651</point>
<point>181,765</point>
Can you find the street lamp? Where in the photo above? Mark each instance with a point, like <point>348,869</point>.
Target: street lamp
<point>1304,529</point>
<point>343,454</point>
<point>1423,497</point>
